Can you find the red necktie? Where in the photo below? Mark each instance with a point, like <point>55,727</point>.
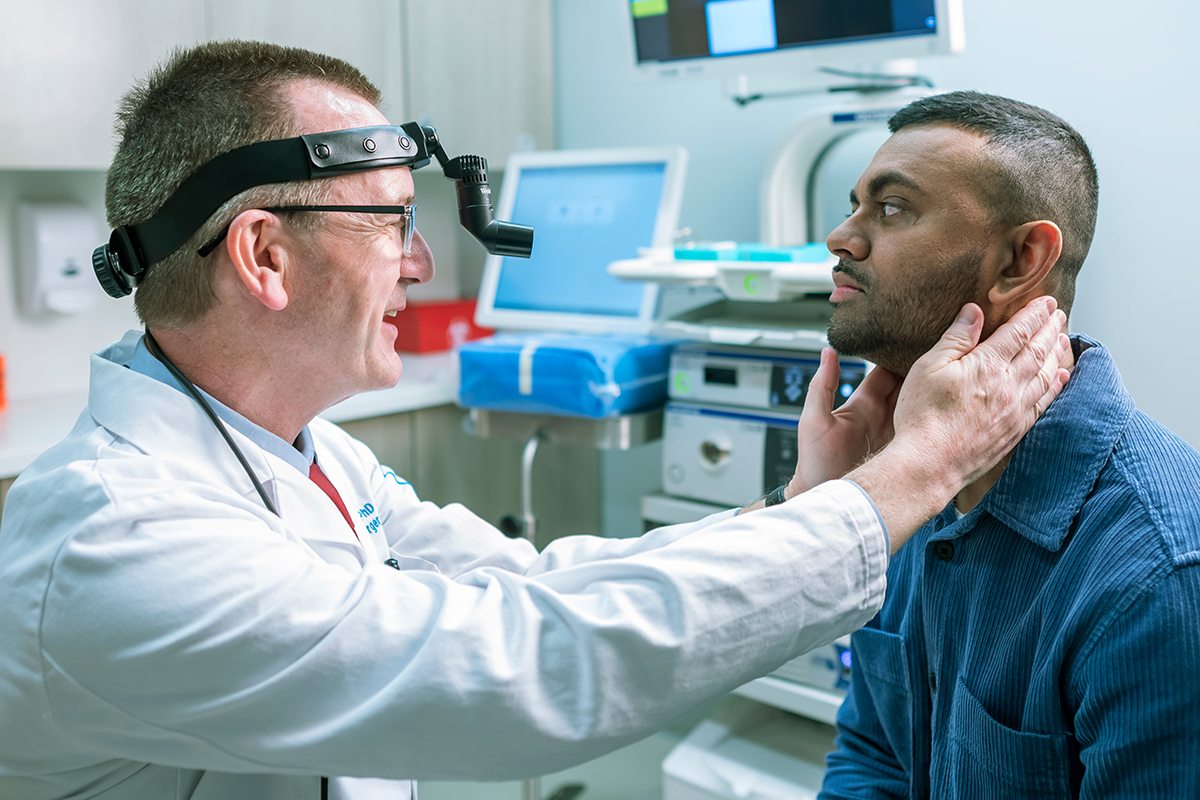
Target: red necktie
<point>318,477</point>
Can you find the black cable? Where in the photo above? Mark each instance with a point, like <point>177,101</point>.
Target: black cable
<point>900,80</point>
<point>882,82</point>
<point>157,352</point>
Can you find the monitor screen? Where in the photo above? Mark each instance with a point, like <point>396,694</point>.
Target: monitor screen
<point>585,217</point>
<point>692,32</point>
<point>588,209</point>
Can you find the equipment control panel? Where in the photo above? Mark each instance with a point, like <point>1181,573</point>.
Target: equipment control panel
<point>751,377</point>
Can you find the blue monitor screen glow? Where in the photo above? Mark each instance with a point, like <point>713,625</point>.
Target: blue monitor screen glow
<point>585,217</point>
<point>681,37</point>
<point>588,209</point>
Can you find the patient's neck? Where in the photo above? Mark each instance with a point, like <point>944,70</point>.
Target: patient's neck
<point>969,497</point>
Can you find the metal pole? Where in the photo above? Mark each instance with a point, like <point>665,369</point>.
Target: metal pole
<point>531,789</point>
<point>527,487</point>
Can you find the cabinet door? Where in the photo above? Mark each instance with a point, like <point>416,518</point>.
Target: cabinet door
<point>65,66</point>
<point>365,33</point>
<point>484,475</point>
<point>5,483</point>
<point>481,72</point>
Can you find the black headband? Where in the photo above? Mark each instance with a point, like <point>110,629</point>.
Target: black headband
<point>316,155</point>
<point>131,249</point>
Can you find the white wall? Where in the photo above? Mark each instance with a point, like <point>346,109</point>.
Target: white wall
<point>1118,73</point>
<point>48,353</point>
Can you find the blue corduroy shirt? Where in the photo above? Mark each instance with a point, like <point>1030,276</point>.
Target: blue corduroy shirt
<point>1047,644</point>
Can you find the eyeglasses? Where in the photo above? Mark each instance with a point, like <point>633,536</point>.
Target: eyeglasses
<point>407,222</point>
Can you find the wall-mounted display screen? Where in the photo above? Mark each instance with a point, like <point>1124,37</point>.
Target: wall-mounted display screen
<point>681,35</point>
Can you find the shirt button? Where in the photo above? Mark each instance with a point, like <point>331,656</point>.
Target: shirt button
<point>944,550</point>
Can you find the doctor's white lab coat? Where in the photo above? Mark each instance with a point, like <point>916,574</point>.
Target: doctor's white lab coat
<point>163,635</point>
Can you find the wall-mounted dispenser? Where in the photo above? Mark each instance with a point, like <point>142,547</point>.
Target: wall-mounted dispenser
<point>55,242</point>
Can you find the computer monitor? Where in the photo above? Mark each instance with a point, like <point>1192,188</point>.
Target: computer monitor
<point>729,37</point>
<point>588,208</point>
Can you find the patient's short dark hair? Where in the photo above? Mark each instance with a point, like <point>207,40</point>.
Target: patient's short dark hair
<point>1041,169</point>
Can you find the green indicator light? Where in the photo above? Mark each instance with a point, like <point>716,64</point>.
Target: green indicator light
<point>648,8</point>
<point>682,384</point>
<point>751,284</point>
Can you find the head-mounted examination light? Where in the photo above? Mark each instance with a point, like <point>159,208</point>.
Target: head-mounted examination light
<point>122,263</point>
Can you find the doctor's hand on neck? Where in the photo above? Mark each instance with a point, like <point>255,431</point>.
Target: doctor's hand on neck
<point>962,408</point>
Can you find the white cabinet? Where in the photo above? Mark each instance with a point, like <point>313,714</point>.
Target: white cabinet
<point>65,64</point>
<point>365,33</point>
<point>481,71</point>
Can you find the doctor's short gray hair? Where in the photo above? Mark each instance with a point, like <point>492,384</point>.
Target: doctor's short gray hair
<point>202,102</point>
<point>1039,168</point>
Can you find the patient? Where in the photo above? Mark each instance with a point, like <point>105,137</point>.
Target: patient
<point>1041,637</point>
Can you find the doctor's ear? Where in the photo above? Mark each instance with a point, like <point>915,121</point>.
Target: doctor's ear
<point>257,246</point>
<point>1034,250</point>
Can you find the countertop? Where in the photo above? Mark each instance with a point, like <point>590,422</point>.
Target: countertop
<point>29,427</point>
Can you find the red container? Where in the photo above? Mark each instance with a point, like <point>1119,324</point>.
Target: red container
<point>433,325</point>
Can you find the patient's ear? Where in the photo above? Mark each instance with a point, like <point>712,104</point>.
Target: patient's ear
<point>1035,248</point>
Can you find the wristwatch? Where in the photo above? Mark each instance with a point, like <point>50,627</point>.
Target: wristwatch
<point>775,497</point>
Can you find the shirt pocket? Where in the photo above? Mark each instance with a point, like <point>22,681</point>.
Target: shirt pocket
<point>880,661</point>
<point>984,758</point>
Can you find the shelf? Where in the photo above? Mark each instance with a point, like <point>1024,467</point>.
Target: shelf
<point>807,701</point>
<point>662,509</point>
<point>742,279</point>
<point>428,380</point>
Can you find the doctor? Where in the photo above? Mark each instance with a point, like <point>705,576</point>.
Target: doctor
<point>166,634</point>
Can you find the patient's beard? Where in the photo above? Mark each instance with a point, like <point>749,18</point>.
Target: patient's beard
<point>893,326</point>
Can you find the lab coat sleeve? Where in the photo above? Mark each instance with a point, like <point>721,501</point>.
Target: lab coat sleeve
<point>457,541</point>
<point>184,629</point>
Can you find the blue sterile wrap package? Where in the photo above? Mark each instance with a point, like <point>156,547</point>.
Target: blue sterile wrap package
<point>566,374</point>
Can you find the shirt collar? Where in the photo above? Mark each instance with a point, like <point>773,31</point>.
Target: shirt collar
<point>300,455</point>
<point>1053,468</point>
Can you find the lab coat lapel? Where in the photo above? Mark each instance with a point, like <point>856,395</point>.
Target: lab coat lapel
<point>162,421</point>
<point>355,492</point>
<point>324,529</point>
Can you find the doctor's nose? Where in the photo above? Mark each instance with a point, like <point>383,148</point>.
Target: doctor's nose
<point>418,267</point>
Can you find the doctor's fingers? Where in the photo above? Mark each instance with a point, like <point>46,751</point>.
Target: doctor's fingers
<point>1023,343</point>
<point>819,399</point>
<point>1052,377</point>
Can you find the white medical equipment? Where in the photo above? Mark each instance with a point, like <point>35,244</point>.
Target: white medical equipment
<point>729,431</point>
<point>590,207</point>
<point>749,753</point>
